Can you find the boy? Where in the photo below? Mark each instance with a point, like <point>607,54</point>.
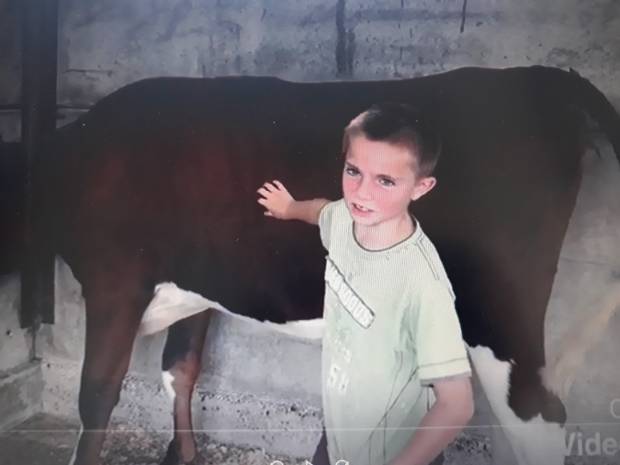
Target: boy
<point>392,341</point>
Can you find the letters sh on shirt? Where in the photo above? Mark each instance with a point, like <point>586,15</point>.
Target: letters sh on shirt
<point>337,378</point>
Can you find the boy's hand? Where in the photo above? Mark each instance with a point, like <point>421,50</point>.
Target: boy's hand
<point>276,199</point>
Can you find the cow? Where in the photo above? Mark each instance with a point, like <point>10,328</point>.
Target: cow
<point>155,188</point>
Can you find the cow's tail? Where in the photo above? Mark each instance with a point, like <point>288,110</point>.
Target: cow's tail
<point>558,374</point>
<point>584,95</point>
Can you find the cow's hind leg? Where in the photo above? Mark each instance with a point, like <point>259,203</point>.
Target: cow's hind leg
<point>534,441</point>
<point>181,363</point>
<point>113,314</point>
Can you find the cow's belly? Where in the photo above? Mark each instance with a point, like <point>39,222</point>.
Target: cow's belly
<point>171,304</point>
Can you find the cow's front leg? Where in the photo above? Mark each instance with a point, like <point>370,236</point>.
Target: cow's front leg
<point>113,315</point>
<point>181,364</point>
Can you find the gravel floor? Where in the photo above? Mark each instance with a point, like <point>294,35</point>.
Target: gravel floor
<point>47,440</point>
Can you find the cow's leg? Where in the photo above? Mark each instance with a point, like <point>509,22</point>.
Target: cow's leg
<point>113,314</point>
<point>181,363</point>
<point>530,442</point>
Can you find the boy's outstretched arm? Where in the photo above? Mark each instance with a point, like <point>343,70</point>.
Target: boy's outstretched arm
<point>280,204</point>
<point>451,411</point>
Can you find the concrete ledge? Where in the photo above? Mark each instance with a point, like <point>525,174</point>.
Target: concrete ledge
<point>20,393</point>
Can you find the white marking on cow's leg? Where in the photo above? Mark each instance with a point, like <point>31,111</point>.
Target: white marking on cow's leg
<point>167,380</point>
<point>493,375</point>
<point>539,441</point>
<point>534,441</point>
<point>74,454</point>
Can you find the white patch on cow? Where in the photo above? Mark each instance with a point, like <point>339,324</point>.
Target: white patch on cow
<point>171,304</point>
<point>167,380</point>
<point>74,454</point>
<point>534,441</point>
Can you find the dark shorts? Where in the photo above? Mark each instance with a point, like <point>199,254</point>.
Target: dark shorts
<point>320,456</point>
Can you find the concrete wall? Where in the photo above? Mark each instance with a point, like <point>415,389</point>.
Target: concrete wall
<point>104,45</point>
<point>107,44</point>
<point>21,380</point>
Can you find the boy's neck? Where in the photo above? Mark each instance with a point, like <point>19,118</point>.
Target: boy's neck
<point>385,235</point>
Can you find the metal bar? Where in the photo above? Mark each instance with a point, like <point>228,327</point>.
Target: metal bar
<point>39,70</point>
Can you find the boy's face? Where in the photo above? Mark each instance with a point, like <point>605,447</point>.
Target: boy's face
<point>379,180</point>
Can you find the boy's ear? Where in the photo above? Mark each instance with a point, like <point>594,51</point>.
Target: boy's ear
<point>422,186</point>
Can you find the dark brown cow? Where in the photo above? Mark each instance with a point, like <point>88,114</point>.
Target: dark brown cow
<point>157,183</point>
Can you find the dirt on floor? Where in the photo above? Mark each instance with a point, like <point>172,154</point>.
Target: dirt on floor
<point>48,440</point>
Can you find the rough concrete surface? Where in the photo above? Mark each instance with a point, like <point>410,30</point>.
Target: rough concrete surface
<point>105,45</point>
<point>20,393</point>
<point>49,440</point>
<point>15,343</point>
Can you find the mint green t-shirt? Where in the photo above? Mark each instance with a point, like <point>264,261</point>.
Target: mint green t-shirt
<point>391,330</point>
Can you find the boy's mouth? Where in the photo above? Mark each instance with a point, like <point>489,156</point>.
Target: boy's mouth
<point>360,208</point>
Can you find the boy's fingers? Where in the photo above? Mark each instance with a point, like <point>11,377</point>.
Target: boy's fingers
<point>279,185</point>
<point>264,192</point>
<point>267,213</point>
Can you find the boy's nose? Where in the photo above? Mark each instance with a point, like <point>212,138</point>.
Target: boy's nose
<point>364,190</point>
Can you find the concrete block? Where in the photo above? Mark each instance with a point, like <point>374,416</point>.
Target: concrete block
<point>15,343</point>
<point>20,393</point>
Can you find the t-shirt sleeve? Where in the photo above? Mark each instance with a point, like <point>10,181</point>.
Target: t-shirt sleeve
<point>326,216</point>
<point>439,341</point>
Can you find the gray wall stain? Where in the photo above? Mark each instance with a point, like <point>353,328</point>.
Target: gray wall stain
<point>105,45</point>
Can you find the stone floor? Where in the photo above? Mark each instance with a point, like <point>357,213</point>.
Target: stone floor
<point>48,440</point>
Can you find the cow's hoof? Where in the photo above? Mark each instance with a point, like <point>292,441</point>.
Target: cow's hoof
<point>173,458</point>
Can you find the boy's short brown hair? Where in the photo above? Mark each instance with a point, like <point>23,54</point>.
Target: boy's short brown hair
<point>398,124</point>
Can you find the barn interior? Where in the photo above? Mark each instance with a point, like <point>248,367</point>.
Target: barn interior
<point>255,403</point>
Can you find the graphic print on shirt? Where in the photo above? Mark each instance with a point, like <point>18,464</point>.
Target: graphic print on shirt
<point>349,299</point>
<point>339,364</point>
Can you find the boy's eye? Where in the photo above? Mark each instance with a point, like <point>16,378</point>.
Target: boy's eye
<point>386,182</point>
<point>351,171</point>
